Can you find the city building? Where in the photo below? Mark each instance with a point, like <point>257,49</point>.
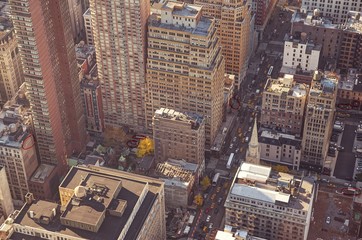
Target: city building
<point>350,55</point>
<point>319,116</point>
<point>280,148</point>
<point>185,67</point>
<point>263,9</point>
<point>119,32</point>
<point>11,73</point>
<point>340,42</point>
<point>229,90</point>
<point>179,178</point>
<point>17,145</point>
<point>350,89</point>
<point>42,182</point>
<point>96,203</point>
<point>253,151</point>
<point>275,206</point>
<point>283,105</point>
<point>92,101</point>
<point>51,76</point>
<point>6,203</point>
<point>335,9</point>
<point>320,30</point>
<point>86,58</point>
<point>76,19</point>
<point>233,23</point>
<point>301,53</point>
<point>230,234</point>
<point>87,18</point>
<point>179,136</point>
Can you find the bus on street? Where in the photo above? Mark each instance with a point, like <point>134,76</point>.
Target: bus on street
<point>230,161</point>
<point>215,179</point>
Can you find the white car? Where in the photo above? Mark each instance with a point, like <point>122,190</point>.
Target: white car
<point>231,146</point>
<point>208,218</point>
<point>328,220</point>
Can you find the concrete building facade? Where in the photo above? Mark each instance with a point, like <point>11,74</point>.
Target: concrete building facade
<point>179,178</point>
<point>119,32</point>
<point>274,206</point>
<point>76,19</point>
<point>280,148</point>
<point>335,9</point>
<point>50,71</point>
<point>11,73</point>
<point>350,89</point>
<point>99,203</point>
<point>233,22</point>
<point>87,18</point>
<point>283,105</point>
<point>179,135</point>
<point>301,53</point>
<point>185,67</point>
<point>319,116</point>
<point>6,203</point>
<point>18,154</point>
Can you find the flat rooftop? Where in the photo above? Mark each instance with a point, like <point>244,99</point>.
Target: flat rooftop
<point>260,183</point>
<point>42,172</point>
<point>88,211</point>
<point>326,86</point>
<point>279,139</point>
<point>202,28</point>
<point>182,9</point>
<point>286,85</point>
<point>195,120</point>
<point>354,22</point>
<point>315,21</point>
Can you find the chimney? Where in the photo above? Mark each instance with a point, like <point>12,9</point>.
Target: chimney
<point>29,198</point>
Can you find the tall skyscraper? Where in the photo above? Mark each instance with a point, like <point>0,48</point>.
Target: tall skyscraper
<point>185,68</point>
<point>233,21</point>
<point>318,123</point>
<point>11,73</point>
<point>119,31</point>
<point>50,70</point>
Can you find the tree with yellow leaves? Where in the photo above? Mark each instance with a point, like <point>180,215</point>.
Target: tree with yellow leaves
<point>281,168</point>
<point>146,146</point>
<point>205,182</point>
<point>198,200</point>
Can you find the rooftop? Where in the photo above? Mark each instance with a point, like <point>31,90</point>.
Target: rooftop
<point>176,169</point>
<point>260,183</point>
<point>193,119</point>
<point>324,85</point>
<point>352,82</point>
<point>203,26</point>
<point>15,120</point>
<point>314,20</point>
<point>5,22</point>
<point>286,85</point>
<point>83,50</point>
<point>310,46</point>
<point>354,22</point>
<point>279,139</point>
<point>42,172</point>
<point>182,9</point>
<point>98,190</point>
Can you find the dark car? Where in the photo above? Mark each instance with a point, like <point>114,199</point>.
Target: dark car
<point>216,211</point>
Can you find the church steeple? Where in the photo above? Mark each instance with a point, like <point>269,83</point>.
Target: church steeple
<point>253,153</point>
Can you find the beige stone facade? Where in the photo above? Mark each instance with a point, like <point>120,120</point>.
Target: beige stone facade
<point>119,35</point>
<point>179,136</point>
<point>319,116</point>
<point>283,105</point>
<point>185,68</point>
<point>274,206</point>
<point>233,20</point>
<point>11,73</point>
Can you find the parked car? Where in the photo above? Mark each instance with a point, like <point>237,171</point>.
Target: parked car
<point>216,210</point>
<point>231,146</point>
<point>208,218</point>
<point>328,220</point>
<point>247,139</point>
